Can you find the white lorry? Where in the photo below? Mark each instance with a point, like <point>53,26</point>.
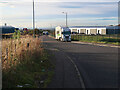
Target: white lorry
<point>63,33</point>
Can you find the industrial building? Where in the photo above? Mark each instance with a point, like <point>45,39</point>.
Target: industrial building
<point>113,30</point>
<point>95,30</point>
<point>7,29</point>
<point>88,30</point>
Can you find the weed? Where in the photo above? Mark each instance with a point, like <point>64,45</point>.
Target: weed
<point>97,39</point>
<point>23,67</point>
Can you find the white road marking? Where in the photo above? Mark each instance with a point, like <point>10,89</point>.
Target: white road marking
<point>78,72</point>
<point>76,68</point>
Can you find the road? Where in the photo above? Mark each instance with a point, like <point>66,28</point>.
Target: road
<point>82,66</point>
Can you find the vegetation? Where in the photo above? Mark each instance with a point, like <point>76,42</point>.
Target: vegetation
<point>52,32</point>
<point>16,34</point>
<point>25,63</point>
<point>37,31</point>
<point>108,39</point>
<point>30,32</point>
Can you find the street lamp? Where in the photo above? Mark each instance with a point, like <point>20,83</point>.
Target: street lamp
<point>66,17</point>
<point>33,21</point>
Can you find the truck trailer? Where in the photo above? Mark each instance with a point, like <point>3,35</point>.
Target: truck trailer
<point>63,33</point>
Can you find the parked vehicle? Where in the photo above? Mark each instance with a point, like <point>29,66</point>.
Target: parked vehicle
<point>63,33</point>
<point>45,33</point>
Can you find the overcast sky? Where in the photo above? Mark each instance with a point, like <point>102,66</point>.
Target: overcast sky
<point>49,14</point>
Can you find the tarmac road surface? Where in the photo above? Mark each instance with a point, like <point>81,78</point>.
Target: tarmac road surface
<point>82,66</point>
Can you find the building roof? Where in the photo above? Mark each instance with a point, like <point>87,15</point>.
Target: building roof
<point>107,27</point>
<point>87,27</point>
<point>6,27</point>
<point>113,27</point>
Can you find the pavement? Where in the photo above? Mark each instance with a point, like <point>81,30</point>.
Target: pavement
<point>82,65</point>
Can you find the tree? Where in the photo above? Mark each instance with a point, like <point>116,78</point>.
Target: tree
<point>36,31</point>
<point>30,32</point>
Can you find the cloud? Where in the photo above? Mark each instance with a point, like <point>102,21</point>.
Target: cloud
<point>90,21</point>
<point>20,13</point>
<point>107,18</point>
<point>12,6</point>
<point>60,0</point>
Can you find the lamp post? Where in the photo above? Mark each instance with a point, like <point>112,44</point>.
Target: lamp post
<point>33,21</point>
<point>66,17</point>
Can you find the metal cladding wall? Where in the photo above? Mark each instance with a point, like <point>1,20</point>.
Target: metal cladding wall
<point>93,31</point>
<point>113,30</point>
<point>74,30</point>
<point>103,31</point>
<point>82,30</point>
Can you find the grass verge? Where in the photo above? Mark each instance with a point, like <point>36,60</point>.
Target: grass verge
<point>96,39</point>
<point>31,68</point>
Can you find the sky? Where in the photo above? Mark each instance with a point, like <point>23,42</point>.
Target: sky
<point>48,14</point>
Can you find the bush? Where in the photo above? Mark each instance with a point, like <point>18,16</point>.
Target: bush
<point>16,34</point>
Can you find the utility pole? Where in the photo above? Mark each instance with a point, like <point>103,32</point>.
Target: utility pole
<point>33,21</point>
<point>51,26</point>
<point>5,24</point>
<point>66,18</point>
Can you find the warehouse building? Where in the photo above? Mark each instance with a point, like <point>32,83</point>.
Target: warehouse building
<point>113,30</point>
<point>88,30</point>
<point>7,29</point>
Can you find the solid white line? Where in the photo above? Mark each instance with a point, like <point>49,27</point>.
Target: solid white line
<point>78,72</point>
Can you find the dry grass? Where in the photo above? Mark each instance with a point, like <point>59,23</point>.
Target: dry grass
<point>25,62</point>
<point>13,49</point>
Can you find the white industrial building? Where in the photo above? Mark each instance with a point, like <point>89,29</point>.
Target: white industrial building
<point>88,30</point>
